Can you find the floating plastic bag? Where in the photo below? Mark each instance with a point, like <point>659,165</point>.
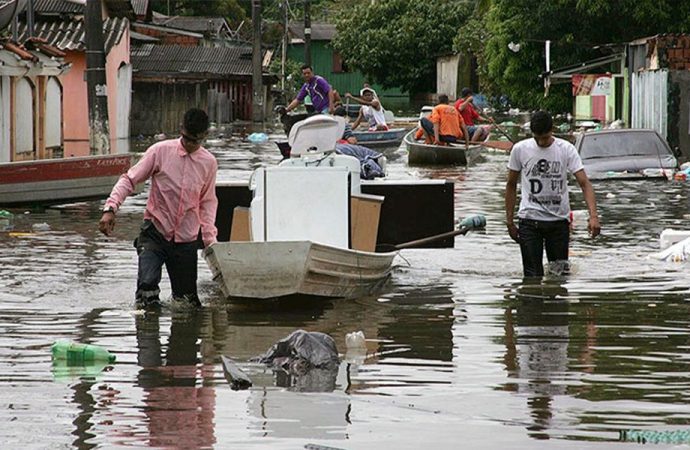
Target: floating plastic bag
<point>678,252</point>
<point>257,138</point>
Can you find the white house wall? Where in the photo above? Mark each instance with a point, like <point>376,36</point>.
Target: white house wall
<point>124,105</point>
<point>53,118</point>
<point>4,119</point>
<point>650,100</point>
<point>24,116</point>
<point>447,75</point>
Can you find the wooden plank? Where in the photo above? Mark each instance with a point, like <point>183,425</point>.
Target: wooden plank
<point>240,229</point>
<point>365,212</point>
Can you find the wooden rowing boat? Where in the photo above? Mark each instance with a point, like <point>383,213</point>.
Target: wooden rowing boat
<point>61,179</point>
<point>421,154</point>
<point>280,269</point>
<point>380,138</point>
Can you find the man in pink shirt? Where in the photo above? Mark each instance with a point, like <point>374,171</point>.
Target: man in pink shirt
<point>181,208</point>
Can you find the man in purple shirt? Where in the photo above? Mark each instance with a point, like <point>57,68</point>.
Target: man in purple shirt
<point>321,94</point>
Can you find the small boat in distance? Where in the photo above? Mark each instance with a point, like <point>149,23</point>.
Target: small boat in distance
<point>391,137</point>
<point>421,154</point>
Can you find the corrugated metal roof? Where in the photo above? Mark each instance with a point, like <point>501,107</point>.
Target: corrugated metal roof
<point>319,31</point>
<point>198,24</point>
<point>134,36</point>
<point>57,7</point>
<point>117,8</point>
<point>140,7</point>
<point>213,62</point>
<point>70,35</point>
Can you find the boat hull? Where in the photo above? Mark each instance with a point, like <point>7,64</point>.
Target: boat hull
<point>270,270</point>
<point>380,138</point>
<point>60,180</point>
<point>421,154</point>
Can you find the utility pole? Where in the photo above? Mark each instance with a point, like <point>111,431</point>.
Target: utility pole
<point>285,44</point>
<point>307,33</point>
<point>257,84</point>
<point>30,18</point>
<point>99,140</point>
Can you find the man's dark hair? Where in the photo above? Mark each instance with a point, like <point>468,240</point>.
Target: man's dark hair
<point>306,66</point>
<point>195,121</point>
<point>465,92</point>
<point>443,98</point>
<point>340,111</point>
<point>541,122</point>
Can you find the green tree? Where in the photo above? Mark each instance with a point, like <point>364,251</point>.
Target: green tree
<point>575,28</point>
<point>396,42</point>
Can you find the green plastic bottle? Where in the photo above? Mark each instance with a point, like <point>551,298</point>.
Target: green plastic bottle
<point>75,353</point>
<point>6,220</point>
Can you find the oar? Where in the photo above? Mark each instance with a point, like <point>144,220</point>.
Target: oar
<point>503,132</point>
<point>501,145</point>
<point>469,223</point>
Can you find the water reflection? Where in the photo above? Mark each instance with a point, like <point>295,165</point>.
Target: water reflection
<point>537,339</point>
<point>179,397</point>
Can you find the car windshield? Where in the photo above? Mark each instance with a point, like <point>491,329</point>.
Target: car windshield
<point>608,145</point>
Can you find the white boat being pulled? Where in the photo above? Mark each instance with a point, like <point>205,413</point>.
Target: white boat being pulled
<point>309,230</point>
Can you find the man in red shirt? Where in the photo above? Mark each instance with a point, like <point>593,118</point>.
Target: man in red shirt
<point>181,206</point>
<point>465,106</point>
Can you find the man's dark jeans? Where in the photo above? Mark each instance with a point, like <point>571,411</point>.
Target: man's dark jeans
<point>535,235</point>
<point>180,261</point>
<point>428,127</point>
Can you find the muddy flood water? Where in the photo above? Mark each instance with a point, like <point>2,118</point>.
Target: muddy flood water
<point>461,353</point>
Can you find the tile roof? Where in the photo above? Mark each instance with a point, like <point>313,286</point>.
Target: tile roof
<point>69,34</point>
<point>210,62</point>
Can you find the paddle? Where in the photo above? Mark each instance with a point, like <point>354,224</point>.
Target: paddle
<point>501,145</point>
<point>467,224</point>
<point>503,132</point>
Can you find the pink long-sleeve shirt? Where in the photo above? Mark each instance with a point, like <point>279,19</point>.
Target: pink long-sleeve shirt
<point>182,198</point>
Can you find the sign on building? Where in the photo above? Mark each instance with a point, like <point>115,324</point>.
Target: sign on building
<point>591,84</point>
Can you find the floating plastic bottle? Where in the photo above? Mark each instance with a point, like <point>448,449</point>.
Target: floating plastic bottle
<point>76,353</point>
<point>6,220</point>
<point>355,340</point>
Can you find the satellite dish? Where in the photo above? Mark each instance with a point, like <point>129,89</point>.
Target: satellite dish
<point>8,10</point>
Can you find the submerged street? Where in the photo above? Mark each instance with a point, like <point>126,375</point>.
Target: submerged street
<point>461,352</point>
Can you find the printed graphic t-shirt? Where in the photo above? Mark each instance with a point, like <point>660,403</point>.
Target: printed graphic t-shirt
<point>544,178</point>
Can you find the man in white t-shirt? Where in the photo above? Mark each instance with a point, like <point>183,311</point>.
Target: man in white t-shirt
<point>371,110</point>
<point>542,163</point>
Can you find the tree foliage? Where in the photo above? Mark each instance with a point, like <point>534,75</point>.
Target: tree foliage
<point>396,42</point>
<point>575,28</point>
